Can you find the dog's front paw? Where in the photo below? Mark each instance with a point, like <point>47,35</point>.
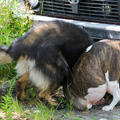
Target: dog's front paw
<point>107,108</point>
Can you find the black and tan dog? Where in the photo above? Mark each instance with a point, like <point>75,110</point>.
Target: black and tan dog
<point>45,54</point>
<point>96,72</point>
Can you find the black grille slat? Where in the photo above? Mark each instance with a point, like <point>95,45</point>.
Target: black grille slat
<point>93,7</point>
<point>60,7</point>
<point>88,9</point>
<point>99,11</point>
<point>56,6</point>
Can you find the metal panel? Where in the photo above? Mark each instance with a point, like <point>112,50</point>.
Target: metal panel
<point>96,30</point>
<point>91,9</point>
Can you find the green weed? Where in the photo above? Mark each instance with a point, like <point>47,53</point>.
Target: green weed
<point>42,112</point>
<point>7,101</point>
<point>12,25</point>
<point>18,107</point>
<point>68,105</point>
<point>94,118</point>
<point>42,7</point>
<point>6,105</point>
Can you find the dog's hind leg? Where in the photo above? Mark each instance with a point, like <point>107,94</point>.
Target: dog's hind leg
<point>46,95</point>
<point>116,98</point>
<point>113,88</point>
<point>20,86</point>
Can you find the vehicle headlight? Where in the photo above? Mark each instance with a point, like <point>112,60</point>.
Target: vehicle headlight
<point>33,3</point>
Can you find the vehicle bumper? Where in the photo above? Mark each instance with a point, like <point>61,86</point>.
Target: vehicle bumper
<point>96,30</point>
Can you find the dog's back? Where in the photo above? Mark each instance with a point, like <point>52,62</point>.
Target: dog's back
<point>49,38</point>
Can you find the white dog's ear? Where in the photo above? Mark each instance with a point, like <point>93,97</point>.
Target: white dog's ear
<point>113,87</point>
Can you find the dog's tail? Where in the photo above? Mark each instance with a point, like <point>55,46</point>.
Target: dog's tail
<point>4,56</point>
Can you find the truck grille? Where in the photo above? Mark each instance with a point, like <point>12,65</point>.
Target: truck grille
<point>105,10</point>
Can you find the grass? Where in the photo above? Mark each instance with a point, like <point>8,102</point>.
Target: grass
<point>11,27</point>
